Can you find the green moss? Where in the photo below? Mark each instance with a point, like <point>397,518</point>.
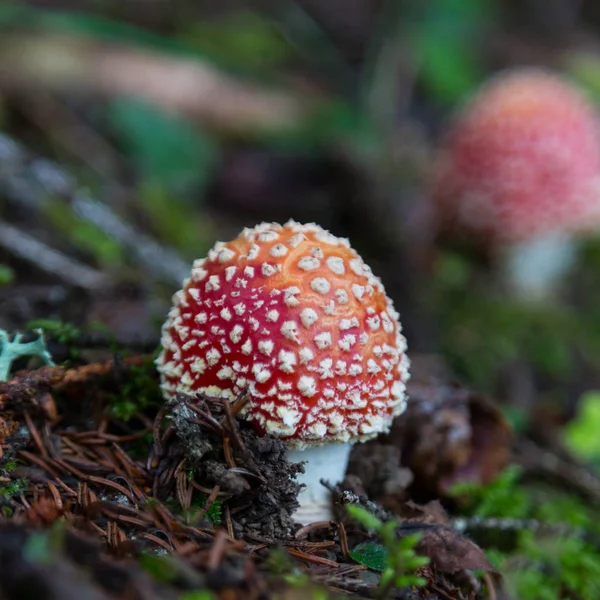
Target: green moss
<point>545,563</point>
<point>15,488</point>
<point>215,513</point>
<point>554,568</point>
<point>140,392</point>
<point>65,333</point>
<point>501,498</point>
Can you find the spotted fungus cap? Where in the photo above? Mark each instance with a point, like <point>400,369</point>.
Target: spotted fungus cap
<point>521,159</point>
<point>292,314</point>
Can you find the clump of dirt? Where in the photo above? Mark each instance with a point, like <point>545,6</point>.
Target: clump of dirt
<point>250,472</point>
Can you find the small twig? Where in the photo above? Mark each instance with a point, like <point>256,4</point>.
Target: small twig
<point>217,550</point>
<point>347,497</point>
<point>233,430</point>
<point>575,476</point>
<point>36,183</point>
<point>183,85</point>
<point>312,558</point>
<point>207,418</point>
<point>47,259</point>
<point>35,434</point>
<point>156,436</point>
<point>228,521</point>
<point>25,388</point>
<point>343,540</point>
<point>489,584</point>
<point>472,524</point>
<point>303,532</point>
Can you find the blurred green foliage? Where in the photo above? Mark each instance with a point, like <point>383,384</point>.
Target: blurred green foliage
<point>482,333</point>
<point>445,37</point>
<point>539,564</point>
<point>244,38</point>
<point>7,275</point>
<point>176,222</point>
<point>584,69</point>
<point>501,498</point>
<point>167,149</point>
<point>84,235</point>
<point>581,434</point>
<point>20,15</point>
<point>43,547</point>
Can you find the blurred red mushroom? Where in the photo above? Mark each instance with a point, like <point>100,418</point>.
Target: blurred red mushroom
<point>292,314</point>
<point>519,170</point>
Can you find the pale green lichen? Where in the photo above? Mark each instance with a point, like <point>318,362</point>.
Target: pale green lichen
<point>11,350</point>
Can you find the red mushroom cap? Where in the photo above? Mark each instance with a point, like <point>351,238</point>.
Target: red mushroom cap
<point>294,315</point>
<point>522,159</point>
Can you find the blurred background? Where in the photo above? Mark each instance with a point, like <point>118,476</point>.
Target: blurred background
<point>135,134</point>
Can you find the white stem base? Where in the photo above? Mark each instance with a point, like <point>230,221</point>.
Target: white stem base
<point>328,462</point>
<point>534,269</point>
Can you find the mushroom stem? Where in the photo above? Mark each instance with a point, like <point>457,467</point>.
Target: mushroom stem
<point>533,270</point>
<point>327,462</point>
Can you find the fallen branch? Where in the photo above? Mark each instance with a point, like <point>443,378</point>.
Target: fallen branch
<point>190,87</point>
<point>33,182</point>
<point>28,248</point>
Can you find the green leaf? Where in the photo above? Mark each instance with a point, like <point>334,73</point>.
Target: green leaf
<point>449,68</point>
<point>445,38</point>
<point>581,434</point>
<point>364,517</point>
<point>374,556</point>
<point>162,568</point>
<point>166,148</point>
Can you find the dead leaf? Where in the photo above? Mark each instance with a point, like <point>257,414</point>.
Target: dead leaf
<point>449,434</point>
<point>447,549</point>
